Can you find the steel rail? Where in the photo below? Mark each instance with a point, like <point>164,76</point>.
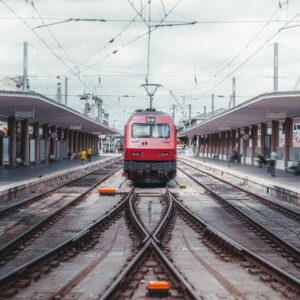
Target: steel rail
<point>141,227</point>
<point>288,246</point>
<point>136,220</point>
<point>12,275</point>
<point>5,248</point>
<point>174,270</point>
<point>35,198</point>
<point>147,247</point>
<point>149,243</point>
<point>241,249</point>
<point>115,285</point>
<point>164,221</point>
<point>287,211</point>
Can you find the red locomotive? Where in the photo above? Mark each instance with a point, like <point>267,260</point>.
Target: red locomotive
<point>150,147</point>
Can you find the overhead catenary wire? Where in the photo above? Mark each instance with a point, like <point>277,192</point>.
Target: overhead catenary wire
<point>289,49</point>
<point>246,46</point>
<point>64,20</point>
<point>249,57</point>
<point>10,48</point>
<point>109,42</point>
<point>226,66</point>
<point>60,46</point>
<point>149,30</point>
<point>38,36</point>
<point>115,60</point>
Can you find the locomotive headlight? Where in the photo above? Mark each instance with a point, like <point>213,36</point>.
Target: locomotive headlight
<point>136,154</point>
<point>165,154</point>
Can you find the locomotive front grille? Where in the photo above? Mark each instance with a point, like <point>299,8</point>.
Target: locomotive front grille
<point>134,166</point>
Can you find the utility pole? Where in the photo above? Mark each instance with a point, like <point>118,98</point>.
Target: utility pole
<point>190,115</point>
<point>204,112</point>
<point>66,91</point>
<point>58,95</point>
<point>148,54</point>
<point>180,106</point>
<point>233,91</point>
<point>173,113</point>
<point>190,123</point>
<point>25,66</point>
<point>212,104</point>
<point>275,67</point>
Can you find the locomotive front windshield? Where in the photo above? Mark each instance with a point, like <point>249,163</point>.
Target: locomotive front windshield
<point>150,130</point>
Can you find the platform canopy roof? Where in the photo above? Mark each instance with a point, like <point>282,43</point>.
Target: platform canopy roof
<point>38,108</point>
<point>261,109</point>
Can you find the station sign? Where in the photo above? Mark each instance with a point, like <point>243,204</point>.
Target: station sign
<point>276,115</point>
<point>75,127</point>
<point>24,113</point>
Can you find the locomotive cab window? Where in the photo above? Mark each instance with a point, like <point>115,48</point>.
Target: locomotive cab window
<point>150,130</point>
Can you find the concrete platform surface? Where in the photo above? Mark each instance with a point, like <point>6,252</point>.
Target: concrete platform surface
<point>18,176</point>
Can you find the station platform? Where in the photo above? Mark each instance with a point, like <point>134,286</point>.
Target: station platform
<point>17,175</point>
<point>17,179</point>
<point>285,186</point>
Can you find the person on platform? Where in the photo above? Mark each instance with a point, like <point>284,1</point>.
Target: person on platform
<point>89,154</point>
<point>272,162</point>
<point>69,155</point>
<point>260,160</point>
<point>83,157</point>
<point>235,156</point>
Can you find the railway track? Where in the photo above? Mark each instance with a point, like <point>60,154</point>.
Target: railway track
<point>10,207</point>
<point>33,279</point>
<point>218,255</point>
<point>150,263</point>
<point>283,240</point>
<point>44,268</point>
<point>20,230</point>
<point>134,249</point>
<point>292,214</point>
<point>214,254</point>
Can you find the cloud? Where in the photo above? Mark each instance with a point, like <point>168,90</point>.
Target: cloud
<point>176,53</point>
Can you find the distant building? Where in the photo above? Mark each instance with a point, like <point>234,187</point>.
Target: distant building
<point>199,118</point>
<point>11,83</point>
<point>105,119</point>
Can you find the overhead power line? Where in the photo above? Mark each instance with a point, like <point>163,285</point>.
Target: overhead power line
<point>112,40</point>
<point>60,46</point>
<point>66,20</point>
<point>148,24</point>
<point>244,48</point>
<point>41,39</point>
<point>11,48</point>
<point>250,57</point>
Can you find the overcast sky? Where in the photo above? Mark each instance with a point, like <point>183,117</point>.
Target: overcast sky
<point>230,38</point>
